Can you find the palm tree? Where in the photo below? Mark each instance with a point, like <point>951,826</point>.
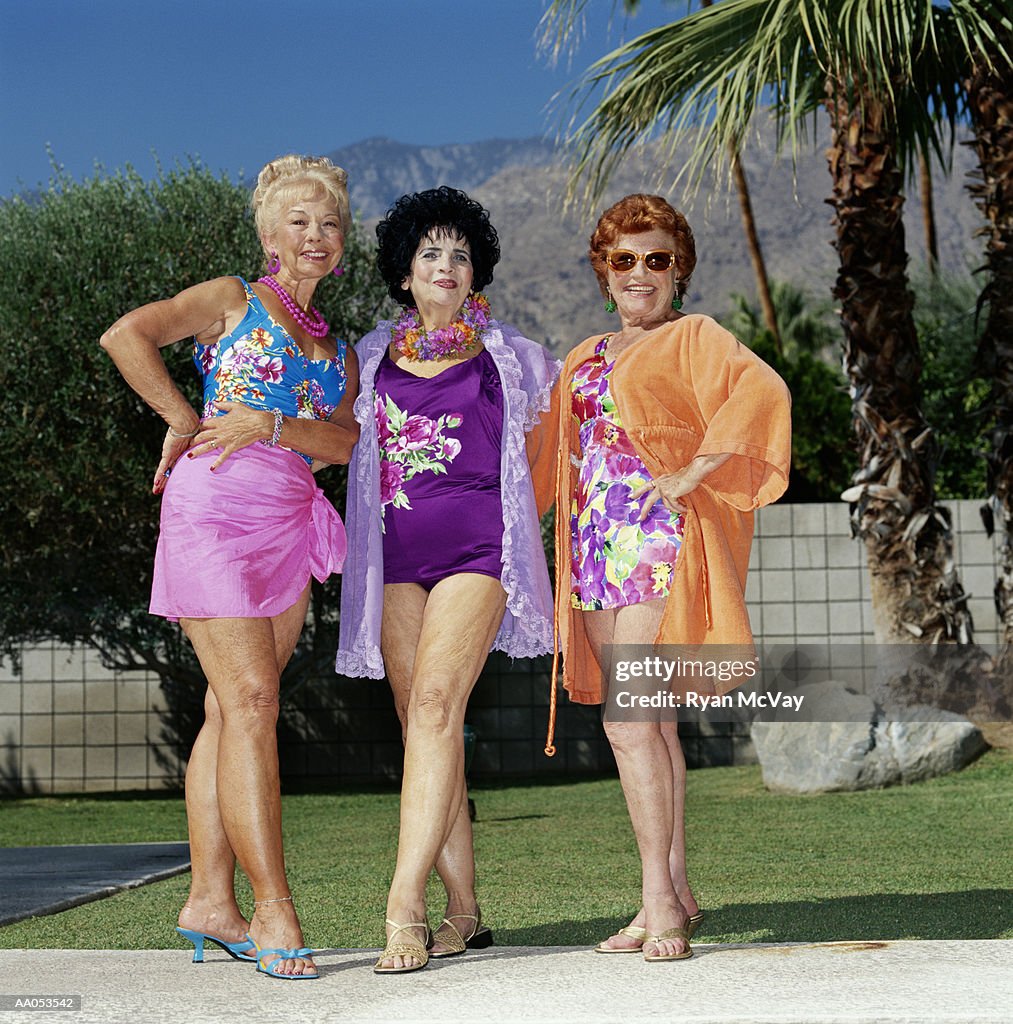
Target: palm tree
<point>887,74</point>
<point>990,98</point>
<point>559,25</point>
<point>753,240</point>
<point>928,214</point>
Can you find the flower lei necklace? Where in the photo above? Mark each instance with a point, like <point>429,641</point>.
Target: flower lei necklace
<point>411,339</point>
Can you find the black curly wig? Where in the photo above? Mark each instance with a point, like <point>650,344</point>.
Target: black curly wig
<point>414,216</point>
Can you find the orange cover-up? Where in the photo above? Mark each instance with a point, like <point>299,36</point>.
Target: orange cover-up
<point>688,389</point>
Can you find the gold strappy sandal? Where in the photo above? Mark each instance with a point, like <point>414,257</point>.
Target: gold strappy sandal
<point>631,931</point>
<point>639,935</point>
<point>409,947</point>
<point>480,937</point>
<point>671,933</point>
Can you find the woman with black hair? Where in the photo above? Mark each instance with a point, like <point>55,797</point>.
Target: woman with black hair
<point>445,557</point>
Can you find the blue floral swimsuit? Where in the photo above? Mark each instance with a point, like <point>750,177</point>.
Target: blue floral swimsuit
<point>260,365</point>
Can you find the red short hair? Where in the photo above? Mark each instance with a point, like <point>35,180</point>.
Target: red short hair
<point>635,214</point>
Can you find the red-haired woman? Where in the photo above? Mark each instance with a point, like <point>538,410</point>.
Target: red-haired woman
<point>672,432</point>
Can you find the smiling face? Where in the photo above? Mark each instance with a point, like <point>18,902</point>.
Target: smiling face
<point>308,239</point>
<point>440,277</point>
<point>644,296</point>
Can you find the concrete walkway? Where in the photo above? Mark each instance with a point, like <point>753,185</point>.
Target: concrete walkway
<point>825,983</point>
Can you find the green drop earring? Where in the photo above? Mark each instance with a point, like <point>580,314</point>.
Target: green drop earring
<point>676,302</point>
<point>610,305</point>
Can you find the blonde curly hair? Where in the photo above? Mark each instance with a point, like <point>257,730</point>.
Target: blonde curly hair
<point>292,177</point>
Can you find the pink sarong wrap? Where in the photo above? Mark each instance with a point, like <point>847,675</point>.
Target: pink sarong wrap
<point>242,541</point>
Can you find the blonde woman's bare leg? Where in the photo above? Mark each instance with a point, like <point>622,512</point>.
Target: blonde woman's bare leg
<point>461,617</point>
<point>211,905</point>
<point>404,608</point>
<point>649,780</point>
<point>241,659</point>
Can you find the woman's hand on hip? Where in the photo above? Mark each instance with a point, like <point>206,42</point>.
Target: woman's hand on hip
<point>671,488</point>
<point>668,489</point>
<point>172,448</point>
<point>239,427</point>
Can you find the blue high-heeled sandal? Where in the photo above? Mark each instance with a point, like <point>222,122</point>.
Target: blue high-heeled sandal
<point>283,954</point>
<point>234,949</point>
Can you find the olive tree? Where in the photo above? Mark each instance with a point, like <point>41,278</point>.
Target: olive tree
<point>78,522</point>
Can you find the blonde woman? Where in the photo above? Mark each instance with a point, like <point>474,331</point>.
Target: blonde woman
<point>243,527</point>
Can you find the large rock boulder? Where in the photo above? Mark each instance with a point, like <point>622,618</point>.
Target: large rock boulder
<point>849,742</point>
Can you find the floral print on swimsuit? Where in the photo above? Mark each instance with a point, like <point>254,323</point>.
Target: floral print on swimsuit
<point>615,559</point>
<point>260,365</point>
<point>410,444</point>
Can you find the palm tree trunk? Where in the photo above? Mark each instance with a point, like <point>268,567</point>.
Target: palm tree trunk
<point>916,593</point>
<point>928,214</point>
<point>990,93</point>
<point>755,252</point>
<point>752,240</point>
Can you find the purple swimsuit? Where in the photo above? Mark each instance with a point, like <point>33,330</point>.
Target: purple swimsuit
<point>440,453</point>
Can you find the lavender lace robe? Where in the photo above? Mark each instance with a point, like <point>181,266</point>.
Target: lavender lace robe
<point>527,373</point>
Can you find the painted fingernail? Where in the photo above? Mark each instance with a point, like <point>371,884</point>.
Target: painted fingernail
<point>189,455</point>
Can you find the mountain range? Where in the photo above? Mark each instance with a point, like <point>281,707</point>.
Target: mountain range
<point>543,283</point>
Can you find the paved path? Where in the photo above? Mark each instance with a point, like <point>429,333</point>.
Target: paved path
<point>46,879</point>
<point>824,983</point>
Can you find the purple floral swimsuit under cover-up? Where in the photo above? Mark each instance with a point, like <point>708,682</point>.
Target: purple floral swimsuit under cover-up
<point>616,560</point>
<point>440,451</point>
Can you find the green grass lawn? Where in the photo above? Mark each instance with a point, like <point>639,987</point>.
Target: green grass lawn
<point>558,865</point>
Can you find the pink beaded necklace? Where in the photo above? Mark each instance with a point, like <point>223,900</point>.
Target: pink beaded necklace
<point>315,326</point>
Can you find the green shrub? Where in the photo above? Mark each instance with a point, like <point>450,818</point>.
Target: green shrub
<point>822,452</point>
<point>79,521</point>
<point>954,396</point>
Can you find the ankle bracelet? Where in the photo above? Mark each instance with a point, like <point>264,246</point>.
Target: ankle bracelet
<point>280,899</point>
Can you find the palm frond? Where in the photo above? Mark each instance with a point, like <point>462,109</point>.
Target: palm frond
<point>697,82</point>
<point>563,27</point>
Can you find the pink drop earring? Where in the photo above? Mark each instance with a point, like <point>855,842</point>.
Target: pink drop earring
<point>338,270</point>
<point>273,264</point>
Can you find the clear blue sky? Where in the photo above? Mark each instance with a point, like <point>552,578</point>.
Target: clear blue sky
<point>236,83</point>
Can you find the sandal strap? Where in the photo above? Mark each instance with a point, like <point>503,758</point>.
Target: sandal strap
<point>455,941</point>
<point>285,954</point>
<point>477,918</point>
<point>670,933</point>
<point>405,949</point>
<point>635,932</point>
<point>405,928</point>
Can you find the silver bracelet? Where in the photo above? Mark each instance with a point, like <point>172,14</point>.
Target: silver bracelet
<point>172,433</point>
<point>276,436</point>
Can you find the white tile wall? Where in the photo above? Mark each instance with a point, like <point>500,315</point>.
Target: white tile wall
<point>67,723</point>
